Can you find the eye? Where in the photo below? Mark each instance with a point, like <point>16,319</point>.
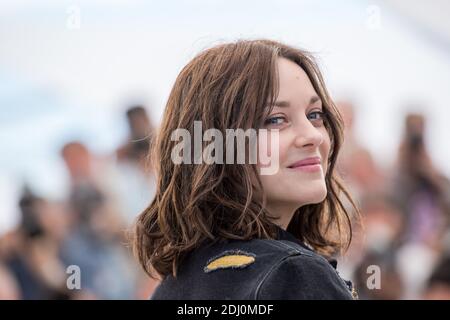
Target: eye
<point>316,115</point>
<point>274,121</point>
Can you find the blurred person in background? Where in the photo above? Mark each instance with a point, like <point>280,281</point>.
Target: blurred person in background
<point>95,242</point>
<point>423,195</point>
<point>137,183</point>
<point>422,191</point>
<point>31,253</point>
<point>9,289</point>
<point>438,284</point>
<point>391,286</point>
<point>136,178</point>
<point>378,242</point>
<point>140,137</point>
<point>90,188</point>
<point>383,222</point>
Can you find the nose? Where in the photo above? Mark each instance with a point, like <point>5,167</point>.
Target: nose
<point>307,135</point>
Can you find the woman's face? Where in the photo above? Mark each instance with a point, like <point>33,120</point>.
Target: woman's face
<point>297,115</point>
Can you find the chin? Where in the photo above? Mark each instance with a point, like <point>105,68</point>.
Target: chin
<point>314,197</point>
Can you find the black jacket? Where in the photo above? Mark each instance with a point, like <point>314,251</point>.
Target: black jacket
<point>263,269</point>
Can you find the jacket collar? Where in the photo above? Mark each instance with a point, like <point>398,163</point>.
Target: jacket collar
<point>286,235</point>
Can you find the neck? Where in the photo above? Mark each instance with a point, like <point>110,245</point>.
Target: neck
<point>282,212</point>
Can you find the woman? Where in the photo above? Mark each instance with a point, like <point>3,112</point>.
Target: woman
<point>221,230</point>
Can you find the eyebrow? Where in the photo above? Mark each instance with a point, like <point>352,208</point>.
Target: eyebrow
<point>283,103</point>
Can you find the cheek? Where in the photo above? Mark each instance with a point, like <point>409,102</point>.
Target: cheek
<point>270,146</point>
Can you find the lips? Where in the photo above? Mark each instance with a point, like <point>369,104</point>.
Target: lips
<point>305,162</point>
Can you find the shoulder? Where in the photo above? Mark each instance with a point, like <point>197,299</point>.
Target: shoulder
<point>303,277</point>
<point>294,271</point>
<point>277,269</point>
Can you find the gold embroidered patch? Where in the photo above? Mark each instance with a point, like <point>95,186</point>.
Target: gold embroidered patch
<point>230,260</point>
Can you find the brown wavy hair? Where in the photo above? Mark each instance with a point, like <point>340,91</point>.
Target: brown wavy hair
<point>230,86</point>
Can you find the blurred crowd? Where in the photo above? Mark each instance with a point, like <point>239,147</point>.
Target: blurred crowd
<point>404,232</point>
<point>87,230</point>
<point>401,246</point>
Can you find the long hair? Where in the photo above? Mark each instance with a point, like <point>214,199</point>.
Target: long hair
<point>230,86</point>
